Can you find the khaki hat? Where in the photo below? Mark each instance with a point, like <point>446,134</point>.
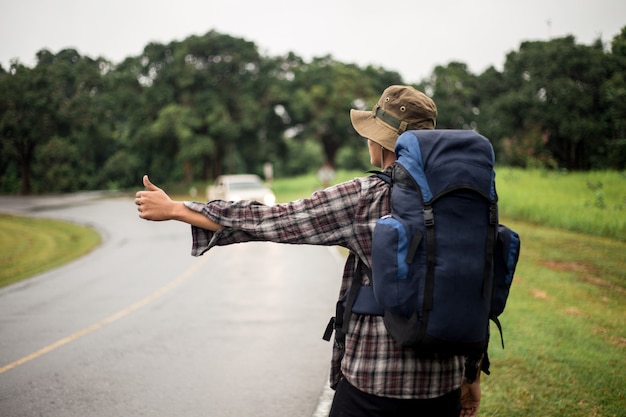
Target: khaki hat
<point>399,109</point>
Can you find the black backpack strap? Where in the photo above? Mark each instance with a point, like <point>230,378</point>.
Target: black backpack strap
<point>383,176</point>
<point>497,322</point>
<point>488,281</point>
<point>429,222</point>
<point>329,329</point>
<point>360,299</point>
<point>343,309</point>
<point>490,249</point>
<point>352,294</point>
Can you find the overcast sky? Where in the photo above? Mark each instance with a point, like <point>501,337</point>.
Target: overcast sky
<point>408,36</point>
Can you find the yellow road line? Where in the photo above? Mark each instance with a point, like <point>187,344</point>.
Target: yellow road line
<point>155,295</point>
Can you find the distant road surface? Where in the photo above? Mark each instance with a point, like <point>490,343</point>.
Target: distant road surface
<point>139,327</point>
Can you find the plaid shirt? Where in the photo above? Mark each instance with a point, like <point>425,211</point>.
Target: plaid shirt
<point>342,215</point>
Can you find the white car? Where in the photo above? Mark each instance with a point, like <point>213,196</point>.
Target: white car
<point>241,187</point>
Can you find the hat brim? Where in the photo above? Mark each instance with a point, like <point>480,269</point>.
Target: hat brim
<point>374,129</point>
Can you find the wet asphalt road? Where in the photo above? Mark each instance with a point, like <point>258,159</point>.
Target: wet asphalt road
<point>139,327</point>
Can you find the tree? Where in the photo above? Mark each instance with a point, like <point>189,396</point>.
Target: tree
<point>613,94</point>
<point>554,89</point>
<point>53,100</point>
<point>453,88</point>
<point>28,107</point>
<point>323,92</point>
<point>211,104</point>
<point>82,123</point>
<point>122,110</point>
<point>218,80</point>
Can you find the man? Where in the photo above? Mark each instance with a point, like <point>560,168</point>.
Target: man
<point>372,375</point>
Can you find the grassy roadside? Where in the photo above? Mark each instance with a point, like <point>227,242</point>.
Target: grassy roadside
<point>29,246</point>
<point>590,202</point>
<point>564,329</point>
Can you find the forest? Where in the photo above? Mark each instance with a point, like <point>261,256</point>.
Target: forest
<point>191,110</point>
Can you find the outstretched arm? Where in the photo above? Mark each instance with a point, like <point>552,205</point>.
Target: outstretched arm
<point>154,204</point>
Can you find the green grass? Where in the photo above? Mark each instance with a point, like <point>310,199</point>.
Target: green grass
<point>289,189</point>
<point>589,202</point>
<point>29,246</point>
<point>564,329</point>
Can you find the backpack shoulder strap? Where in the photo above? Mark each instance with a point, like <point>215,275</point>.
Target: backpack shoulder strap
<point>355,286</point>
<point>382,175</point>
<point>360,300</point>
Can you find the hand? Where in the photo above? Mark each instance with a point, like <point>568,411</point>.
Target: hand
<point>154,203</point>
<point>470,399</point>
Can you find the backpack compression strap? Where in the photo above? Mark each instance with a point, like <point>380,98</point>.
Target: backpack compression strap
<point>429,222</point>
<point>491,245</point>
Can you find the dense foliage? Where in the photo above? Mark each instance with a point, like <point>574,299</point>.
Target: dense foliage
<point>193,109</point>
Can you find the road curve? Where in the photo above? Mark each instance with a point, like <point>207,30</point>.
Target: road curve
<point>141,328</point>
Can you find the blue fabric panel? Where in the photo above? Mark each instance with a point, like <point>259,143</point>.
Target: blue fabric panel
<point>402,245</point>
<point>410,157</point>
<point>443,159</point>
<point>366,303</point>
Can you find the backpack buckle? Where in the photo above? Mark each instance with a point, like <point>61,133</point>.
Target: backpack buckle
<point>493,214</point>
<point>429,217</point>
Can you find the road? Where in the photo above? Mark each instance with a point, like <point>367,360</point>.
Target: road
<point>139,327</point>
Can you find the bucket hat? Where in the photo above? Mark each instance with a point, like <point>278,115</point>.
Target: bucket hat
<point>400,108</point>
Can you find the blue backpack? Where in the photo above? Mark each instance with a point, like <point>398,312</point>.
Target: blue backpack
<point>442,265</point>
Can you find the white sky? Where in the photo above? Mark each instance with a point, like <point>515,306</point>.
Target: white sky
<point>408,36</point>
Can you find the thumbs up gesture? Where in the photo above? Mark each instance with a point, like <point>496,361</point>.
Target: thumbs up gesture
<point>154,203</point>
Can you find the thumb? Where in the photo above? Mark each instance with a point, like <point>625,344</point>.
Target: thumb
<point>149,186</point>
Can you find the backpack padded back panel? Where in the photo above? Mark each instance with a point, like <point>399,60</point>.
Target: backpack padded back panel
<point>430,276</point>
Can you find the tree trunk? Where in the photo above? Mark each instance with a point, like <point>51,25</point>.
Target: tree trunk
<point>25,183</point>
